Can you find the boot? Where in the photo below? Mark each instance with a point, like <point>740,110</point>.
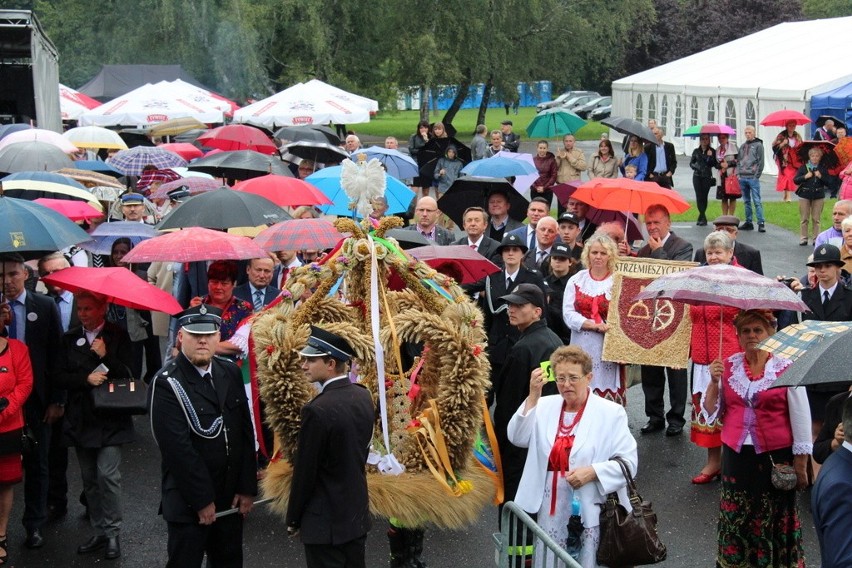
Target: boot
<point>414,543</point>
<point>398,548</point>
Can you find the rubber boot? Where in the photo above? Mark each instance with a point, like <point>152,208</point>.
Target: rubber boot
<point>414,541</point>
<point>398,548</point>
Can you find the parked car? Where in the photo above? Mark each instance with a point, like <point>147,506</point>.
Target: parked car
<point>586,109</point>
<point>579,100</point>
<point>558,101</point>
<point>601,112</point>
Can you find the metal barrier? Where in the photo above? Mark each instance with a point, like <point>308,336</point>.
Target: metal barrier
<point>513,546</point>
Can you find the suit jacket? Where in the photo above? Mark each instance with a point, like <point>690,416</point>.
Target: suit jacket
<point>487,248</point>
<point>832,510</point>
<point>442,235</point>
<point>671,158</point>
<point>523,233</point>
<point>276,274</point>
<point>833,417</point>
<point>588,230</point>
<point>838,308</point>
<point>243,292</point>
<point>511,225</point>
<point>675,248</point>
<point>44,341</point>
<point>747,257</point>
<point>197,471</point>
<point>328,496</point>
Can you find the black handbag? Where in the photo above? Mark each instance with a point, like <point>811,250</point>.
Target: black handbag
<point>629,539</point>
<point>121,396</point>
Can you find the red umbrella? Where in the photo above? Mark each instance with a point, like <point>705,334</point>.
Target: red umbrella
<point>238,137</point>
<point>194,244</point>
<point>716,129</point>
<point>624,194</point>
<point>73,209</point>
<point>185,150</point>
<point>564,191</point>
<point>459,259</point>
<point>299,234</point>
<point>119,285</point>
<point>284,191</point>
<point>782,117</point>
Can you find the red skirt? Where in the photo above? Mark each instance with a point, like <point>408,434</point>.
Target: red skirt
<point>11,470</point>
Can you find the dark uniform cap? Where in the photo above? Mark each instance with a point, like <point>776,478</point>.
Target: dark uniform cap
<point>202,319</point>
<point>561,251</point>
<point>511,240</point>
<point>507,123</point>
<point>827,254</point>
<point>179,193</point>
<point>132,199</point>
<point>569,217</point>
<point>323,343</point>
<point>725,220</point>
<point>525,294</point>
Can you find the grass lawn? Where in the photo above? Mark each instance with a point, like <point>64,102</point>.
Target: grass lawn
<point>403,123</point>
<point>784,215</point>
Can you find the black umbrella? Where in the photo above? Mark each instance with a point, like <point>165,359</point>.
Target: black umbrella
<point>435,149</point>
<point>242,164</point>
<point>135,137</point>
<point>630,127</point>
<point>321,152</point>
<point>408,239</point>
<point>828,363</point>
<point>823,117</point>
<point>829,158</point>
<point>308,134</point>
<point>473,191</point>
<point>223,209</point>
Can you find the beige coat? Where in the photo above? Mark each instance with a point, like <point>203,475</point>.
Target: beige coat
<point>569,166</point>
<point>160,275</point>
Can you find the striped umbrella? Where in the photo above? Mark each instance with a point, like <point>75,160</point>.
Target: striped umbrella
<point>794,340</point>
<point>133,160</point>
<point>299,234</point>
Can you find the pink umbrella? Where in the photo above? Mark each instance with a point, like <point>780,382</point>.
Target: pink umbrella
<point>522,183</point>
<point>299,234</point>
<point>284,191</point>
<point>716,129</point>
<point>119,285</point>
<point>71,208</point>
<point>194,244</point>
<point>185,150</point>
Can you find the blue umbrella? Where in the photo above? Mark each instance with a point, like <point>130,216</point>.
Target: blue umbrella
<point>395,162</point>
<point>7,129</point>
<point>497,167</point>
<point>327,180</point>
<point>34,230</point>
<point>106,234</point>
<point>98,166</point>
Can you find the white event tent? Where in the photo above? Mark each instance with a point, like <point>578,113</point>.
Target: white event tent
<point>307,103</point>
<point>740,82</point>
<point>74,103</point>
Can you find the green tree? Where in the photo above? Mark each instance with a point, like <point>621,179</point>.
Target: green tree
<point>814,9</point>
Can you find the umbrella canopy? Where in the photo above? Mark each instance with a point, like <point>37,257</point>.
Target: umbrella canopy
<point>106,192</point>
<point>435,149</point>
<point>473,191</point>
<point>222,209</point>
<point>33,156</point>
<point>89,178</point>
<point>782,117</point>
<point>726,285</point>
<point>397,164</point>
<point>826,363</point>
<point>74,210</point>
<point>823,117</point>
<point>106,234</point>
<point>194,185</point>
<point>408,239</point>
<point>624,194</point>
<point>238,137</point>
<point>74,103</point>
<point>521,183</point>
<point>175,126</point>
<point>711,129</point>
<point>95,137</point>
<point>795,340</point>
<point>243,164</point>
<point>32,185</point>
<point>284,191</point>
<point>553,122</point>
<point>564,191</point>
<point>98,166</point>
<point>133,160</point>
<point>53,178</point>
<point>119,285</point>
<point>34,230</point>
<point>7,129</point>
<point>195,244</point>
<point>829,159</point>
<point>321,152</point>
<point>472,265</point>
<point>398,195</point>
<point>497,167</point>
<point>630,127</point>
<point>299,234</point>
<point>301,105</point>
<point>310,133</point>
<point>150,177</point>
<point>39,135</point>
<point>185,150</point>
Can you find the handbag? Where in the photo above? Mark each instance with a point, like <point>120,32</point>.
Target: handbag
<point>783,476</point>
<point>732,186</point>
<point>628,539</point>
<point>121,396</point>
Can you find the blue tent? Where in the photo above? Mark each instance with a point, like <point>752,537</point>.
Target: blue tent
<point>837,102</point>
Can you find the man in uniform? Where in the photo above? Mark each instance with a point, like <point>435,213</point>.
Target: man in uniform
<point>329,506</point>
<point>200,420</point>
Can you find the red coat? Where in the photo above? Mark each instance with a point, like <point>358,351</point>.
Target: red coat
<point>704,344</point>
<point>16,383</point>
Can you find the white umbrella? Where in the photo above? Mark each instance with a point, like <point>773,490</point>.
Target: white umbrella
<point>39,135</point>
<point>95,137</point>
<point>301,104</point>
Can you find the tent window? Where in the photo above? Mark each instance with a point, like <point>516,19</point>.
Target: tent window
<point>751,119</point>
<point>638,113</point>
<point>711,111</point>
<point>731,114</point>
<point>678,116</point>
<point>664,112</point>
<point>693,112</point>
<point>652,108</point>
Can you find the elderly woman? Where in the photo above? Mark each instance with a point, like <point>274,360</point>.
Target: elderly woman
<point>585,304</point>
<point>573,438</point>
<point>785,148</point>
<point>713,336</point>
<point>761,426</point>
<point>726,156</point>
<point>93,352</point>
<point>221,280</point>
<point>811,181</point>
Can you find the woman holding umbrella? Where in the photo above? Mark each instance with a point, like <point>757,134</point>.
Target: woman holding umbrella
<point>415,143</point>
<point>785,148</point>
<point>761,428</point>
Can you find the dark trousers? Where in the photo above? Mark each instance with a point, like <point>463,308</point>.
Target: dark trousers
<point>57,491</point>
<point>702,187</point>
<point>654,386</point>
<point>36,470</point>
<point>347,555</point>
<point>222,541</point>
<point>661,179</point>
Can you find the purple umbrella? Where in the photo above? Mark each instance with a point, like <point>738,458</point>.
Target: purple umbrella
<point>133,160</point>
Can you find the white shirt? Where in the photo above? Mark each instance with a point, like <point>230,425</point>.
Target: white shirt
<point>830,291</point>
<point>91,335</point>
<point>477,243</point>
<point>331,380</point>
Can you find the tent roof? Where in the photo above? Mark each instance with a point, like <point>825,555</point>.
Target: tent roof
<point>114,80</point>
<point>839,96</point>
<point>786,61</point>
<point>305,103</point>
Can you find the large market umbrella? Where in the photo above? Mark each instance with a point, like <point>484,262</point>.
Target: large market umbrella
<point>98,166</point>
<point>553,122</point>
<point>32,185</point>
<point>89,178</point>
<point>472,265</point>
<point>309,133</point>
<point>222,209</point>
<point>106,234</point>
<point>95,137</point>
<point>33,156</point>
<point>284,191</point>
<point>497,167</point>
<point>238,137</point>
<point>194,244</point>
<point>194,185</point>
<point>473,191</point>
<point>398,195</point>
<point>320,152</point>
<point>828,363</point>
<point>711,129</point>
<point>74,210</point>
<point>242,164</point>
<point>795,340</point>
<point>185,150</point>
<point>299,234</point>
<point>133,160</point>
<point>397,164</point>
<point>119,285</point>
<point>175,126</point>
<point>39,135</point>
<point>34,230</point>
<point>624,194</point>
<point>564,191</point>
<point>630,127</point>
<point>782,117</point>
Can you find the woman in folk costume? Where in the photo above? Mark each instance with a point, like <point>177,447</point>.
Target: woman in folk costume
<point>786,151</point>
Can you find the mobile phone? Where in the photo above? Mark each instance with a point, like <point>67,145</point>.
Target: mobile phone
<point>101,369</point>
<point>547,371</point>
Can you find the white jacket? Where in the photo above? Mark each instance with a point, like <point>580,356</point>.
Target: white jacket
<point>601,434</point>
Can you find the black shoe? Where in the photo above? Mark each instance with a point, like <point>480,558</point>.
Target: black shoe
<point>652,427</point>
<point>747,226</point>
<point>761,228</point>
<point>34,539</point>
<point>674,431</point>
<point>113,548</point>
<point>93,544</point>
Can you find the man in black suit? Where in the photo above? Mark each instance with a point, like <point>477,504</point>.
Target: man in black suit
<point>200,420</point>
<point>662,161</point>
<point>537,209</point>
<point>500,223</point>
<point>747,256</point>
<point>580,210</point>
<point>329,506</point>
<point>427,214</point>
<point>546,235</point>
<point>663,245</point>
<point>36,322</point>
<point>475,219</point>
<point>831,436</point>
<point>258,291</point>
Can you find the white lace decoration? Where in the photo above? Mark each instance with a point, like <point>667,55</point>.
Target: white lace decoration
<point>746,388</point>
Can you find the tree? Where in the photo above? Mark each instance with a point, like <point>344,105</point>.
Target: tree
<point>814,9</point>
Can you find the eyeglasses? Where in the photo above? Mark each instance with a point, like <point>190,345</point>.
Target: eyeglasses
<point>573,379</point>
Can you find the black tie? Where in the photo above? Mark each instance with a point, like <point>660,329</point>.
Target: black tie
<point>825,297</point>
<point>208,378</point>
<point>508,284</point>
<point>532,239</point>
<point>57,299</point>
